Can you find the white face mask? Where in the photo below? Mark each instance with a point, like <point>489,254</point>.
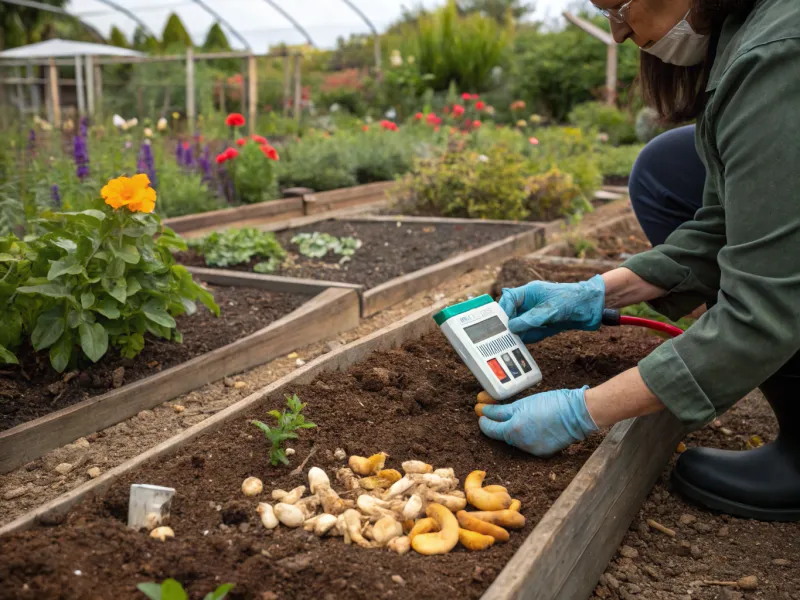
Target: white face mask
<point>682,46</point>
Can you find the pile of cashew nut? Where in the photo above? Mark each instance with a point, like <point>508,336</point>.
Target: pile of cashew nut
<point>420,508</point>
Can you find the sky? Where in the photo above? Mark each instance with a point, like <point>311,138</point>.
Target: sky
<point>261,25</point>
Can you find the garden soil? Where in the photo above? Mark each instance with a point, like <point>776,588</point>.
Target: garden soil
<point>388,250</point>
<point>33,389</point>
<point>412,402</point>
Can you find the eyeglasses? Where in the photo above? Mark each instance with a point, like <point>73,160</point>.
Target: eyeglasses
<point>618,14</point>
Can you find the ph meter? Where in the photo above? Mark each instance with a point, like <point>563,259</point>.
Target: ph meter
<point>478,330</point>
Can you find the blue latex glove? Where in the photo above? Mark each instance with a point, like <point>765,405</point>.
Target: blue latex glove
<point>541,309</point>
<point>542,424</point>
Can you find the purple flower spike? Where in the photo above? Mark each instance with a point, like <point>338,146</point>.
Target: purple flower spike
<point>81,156</point>
<point>55,196</point>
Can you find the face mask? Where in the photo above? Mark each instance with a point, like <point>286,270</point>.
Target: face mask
<point>682,46</point>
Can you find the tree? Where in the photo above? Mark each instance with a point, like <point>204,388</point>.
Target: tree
<point>499,10</point>
<point>117,38</point>
<point>175,33</point>
<point>22,25</point>
<point>216,39</point>
<point>143,42</point>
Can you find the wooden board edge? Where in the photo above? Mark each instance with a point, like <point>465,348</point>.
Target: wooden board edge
<point>411,327</point>
<point>441,220</point>
<point>227,216</point>
<point>401,288</point>
<point>273,283</point>
<point>565,554</point>
<point>94,414</point>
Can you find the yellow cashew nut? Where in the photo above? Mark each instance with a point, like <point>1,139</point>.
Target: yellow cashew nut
<point>474,541</point>
<point>445,539</point>
<point>422,526</point>
<point>481,498</point>
<point>494,489</point>
<point>467,521</point>
<point>367,466</point>
<point>504,518</point>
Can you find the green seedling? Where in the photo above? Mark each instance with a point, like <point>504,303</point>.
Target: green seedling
<point>289,421</point>
<point>169,589</point>
<point>318,245</point>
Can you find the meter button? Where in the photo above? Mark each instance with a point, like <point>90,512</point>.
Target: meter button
<point>510,365</point>
<point>526,367</point>
<point>498,371</point>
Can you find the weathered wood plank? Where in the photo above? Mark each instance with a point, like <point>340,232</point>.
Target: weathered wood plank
<point>400,288</point>
<point>409,328</point>
<point>326,315</point>
<point>442,220</point>
<point>273,283</point>
<point>568,550</point>
<point>218,219</point>
<point>355,196</point>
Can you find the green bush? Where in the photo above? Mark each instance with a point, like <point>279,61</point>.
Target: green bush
<point>253,174</point>
<point>239,246</point>
<point>552,195</point>
<point>93,279</point>
<point>617,162</point>
<point>184,193</point>
<point>572,152</point>
<point>381,155</point>
<point>604,119</point>
<point>318,163</point>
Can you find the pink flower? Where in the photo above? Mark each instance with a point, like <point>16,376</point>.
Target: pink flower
<point>466,97</point>
<point>476,124</point>
<point>419,116</point>
<point>433,120</point>
<point>241,142</point>
<point>458,110</point>
<point>533,141</point>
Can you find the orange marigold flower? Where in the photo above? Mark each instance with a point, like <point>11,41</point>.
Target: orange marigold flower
<point>235,120</point>
<point>270,152</point>
<point>134,193</point>
<point>241,142</point>
<point>258,139</point>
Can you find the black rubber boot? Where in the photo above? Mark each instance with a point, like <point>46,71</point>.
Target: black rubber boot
<point>761,484</point>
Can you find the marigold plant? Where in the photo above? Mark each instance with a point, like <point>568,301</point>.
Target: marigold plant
<point>99,278</point>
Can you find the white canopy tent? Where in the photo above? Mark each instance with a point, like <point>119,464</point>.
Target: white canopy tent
<point>64,49</point>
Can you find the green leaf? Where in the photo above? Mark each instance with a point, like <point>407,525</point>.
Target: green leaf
<point>49,327</point>
<point>61,351</point>
<point>116,268</point>
<point>89,216</point>
<point>154,311</point>
<point>133,285</point>
<point>207,300</point>
<point>117,288</point>
<point>151,590</point>
<point>51,290</point>
<point>278,456</point>
<point>64,266</point>
<point>128,253</point>
<point>7,357</point>
<point>94,340</point>
<point>10,327</point>
<point>66,244</point>
<point>87,299</point>
<point>108,308</point>
<point>172,590</point>
<point>220,592</point>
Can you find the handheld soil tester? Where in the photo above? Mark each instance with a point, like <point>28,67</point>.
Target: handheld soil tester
<point>478,330</point>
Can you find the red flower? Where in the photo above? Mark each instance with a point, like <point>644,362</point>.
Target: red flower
<point>221,158</point>
<point>480,105</point>
<point>474,97</point>
<point>389,125</point>
<point>518,105</point>
<point>433,119</point>
<point>419,116</point>
<point>234,120</point>
<point>458,110</point>
<point>241,142</point>
<point>466,97</point>
<point>365,128</point>
<point>534,141</point>
<point>231,153</point>
<point>476,124</point>
<point>258,139</point>
<point>186,145</point>
<point>270,152</point>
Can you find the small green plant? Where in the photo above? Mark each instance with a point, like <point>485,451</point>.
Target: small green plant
<point>318,245</point>
<point>169,589</point>
<point>289,421</point>
<point>254,174</point>
<point>581,247</point>
<point>239,246</point>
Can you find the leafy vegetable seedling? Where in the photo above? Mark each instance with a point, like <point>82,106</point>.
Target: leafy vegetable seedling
<point>170,589</point>
<point>289,421</point>
<point>318,245</point>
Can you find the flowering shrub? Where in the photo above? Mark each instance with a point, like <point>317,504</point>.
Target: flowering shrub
<point>252,171</point>
<point>551,195</point>
<point>97,278</point>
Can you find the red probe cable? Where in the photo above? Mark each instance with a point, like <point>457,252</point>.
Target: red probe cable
<point>612,318</point>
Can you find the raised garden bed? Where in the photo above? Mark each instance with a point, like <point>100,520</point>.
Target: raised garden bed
<point>616,240</point>
<point>421,408</point>
<point>399,258</point>
<point>43,410</point>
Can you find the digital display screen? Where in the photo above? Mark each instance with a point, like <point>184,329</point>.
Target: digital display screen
<point>485,329</point>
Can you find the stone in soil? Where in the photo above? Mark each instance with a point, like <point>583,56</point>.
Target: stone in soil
<point>301,564</point>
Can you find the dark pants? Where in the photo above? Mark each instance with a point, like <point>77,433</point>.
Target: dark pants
<point>666,184</point>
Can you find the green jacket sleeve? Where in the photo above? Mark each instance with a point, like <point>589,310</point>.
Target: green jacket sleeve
<point>754,327</point>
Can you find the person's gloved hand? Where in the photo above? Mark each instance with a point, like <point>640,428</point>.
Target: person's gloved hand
<point>542,424</point>
<point>541,309</point>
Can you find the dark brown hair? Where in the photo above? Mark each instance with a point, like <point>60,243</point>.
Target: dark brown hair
<point>678,93</point>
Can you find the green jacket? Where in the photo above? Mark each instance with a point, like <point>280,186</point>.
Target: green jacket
<point>741,253</point>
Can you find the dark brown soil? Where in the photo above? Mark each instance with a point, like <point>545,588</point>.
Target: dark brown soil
<point>708,546</point>
<point>618,243</point>
<point>387,250</point>
<point>34,389</point>
<point>413,402</point>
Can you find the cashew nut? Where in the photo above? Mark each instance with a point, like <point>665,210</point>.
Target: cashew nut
<point>289,515</point>
<point>504,518</point>
<point>385,530</point>
<point>252,486</point>
<point>467,521</point>
<point>454,501</point>
<point>289,497</point>
<point>436,482</point>
<point>162,533</point>
<point>413,507</point>
<point>474,541</point>
<point>367,466</point>
<point>399,487</point>
<point>324,524</point>
<point>316,478</point>
<point>401,545</point>
<point>494,489</point>
<point>445,539</point>
<point>423,526</point>
<point>267,514</point>
<point>482,499</point>
<point>416,466</point>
